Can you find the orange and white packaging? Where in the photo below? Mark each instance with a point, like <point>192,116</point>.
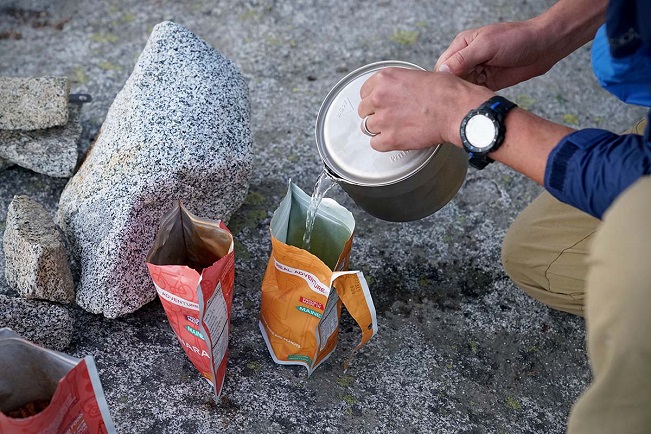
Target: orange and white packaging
<point>69,387</point>
<point>192,265</point>
<point>303,291</point>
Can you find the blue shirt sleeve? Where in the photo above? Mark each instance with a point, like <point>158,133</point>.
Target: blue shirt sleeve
<point>589,168</point>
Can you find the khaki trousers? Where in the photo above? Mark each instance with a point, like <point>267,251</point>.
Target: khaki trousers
<point>576,263</point>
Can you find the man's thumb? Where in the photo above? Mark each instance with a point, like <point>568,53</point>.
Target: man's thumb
<point>444,68</point>
<point>459,63</point>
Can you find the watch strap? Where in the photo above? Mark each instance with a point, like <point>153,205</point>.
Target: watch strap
<point>499,105</point>
<point>479,162</point>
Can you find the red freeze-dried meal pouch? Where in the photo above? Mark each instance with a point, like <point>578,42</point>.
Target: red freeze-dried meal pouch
<point>192,265</point>
<point>45,391</point>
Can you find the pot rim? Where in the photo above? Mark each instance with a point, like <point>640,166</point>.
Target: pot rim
<point>332,173</point>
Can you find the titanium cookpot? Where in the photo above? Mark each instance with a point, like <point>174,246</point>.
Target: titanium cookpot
<point>396,185</point>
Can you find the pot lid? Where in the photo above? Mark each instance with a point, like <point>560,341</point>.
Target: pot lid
<point>346,150</point>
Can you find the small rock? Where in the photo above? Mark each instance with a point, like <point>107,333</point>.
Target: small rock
<point>52,151</point>
<point>36,261</point>
<point>33,103</point>
<point>179,129</point>
<point>46,324</point>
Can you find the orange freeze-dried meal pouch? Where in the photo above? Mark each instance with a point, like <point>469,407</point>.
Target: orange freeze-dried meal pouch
<point>302,292</point>
<point>192,265</point>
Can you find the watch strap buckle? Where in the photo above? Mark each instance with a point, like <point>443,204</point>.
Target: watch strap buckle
<point>480,163</point>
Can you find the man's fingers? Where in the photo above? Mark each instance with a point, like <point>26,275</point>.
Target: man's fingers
<point>459,43</point>
<point>463,61</point>
<point>367,87</point>
<point>476,76</point>
<point>369,127</point>
<point>465,53</point>
<point>379,144</point>
<point>481,78</point>
<point>365,108</point>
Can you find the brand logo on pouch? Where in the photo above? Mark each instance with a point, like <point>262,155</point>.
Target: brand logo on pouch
<point>193,348</point>
<point>313,282</point>
<point>311,303</point>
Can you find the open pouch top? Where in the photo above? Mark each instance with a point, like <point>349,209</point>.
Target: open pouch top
<point>185,239</point>
<point>333,227</point>
<point>71,385</point>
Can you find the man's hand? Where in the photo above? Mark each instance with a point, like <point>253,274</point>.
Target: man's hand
<point>412,109</point>
<point>499,55</point>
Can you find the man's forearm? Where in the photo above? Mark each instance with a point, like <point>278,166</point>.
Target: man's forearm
<point>528,142</point>
<point>571,23</point>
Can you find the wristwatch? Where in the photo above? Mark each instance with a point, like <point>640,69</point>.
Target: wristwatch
<point>483,130</point>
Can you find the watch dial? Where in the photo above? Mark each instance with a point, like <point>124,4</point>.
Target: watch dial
<point>480,131</point>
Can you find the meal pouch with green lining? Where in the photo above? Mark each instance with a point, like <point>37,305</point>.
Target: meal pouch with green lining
<point>303,291</point>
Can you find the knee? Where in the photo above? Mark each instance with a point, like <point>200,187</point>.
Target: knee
<point>513,253</point>
<point>619,260</point>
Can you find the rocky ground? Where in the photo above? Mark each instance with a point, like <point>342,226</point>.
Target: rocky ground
<point>459,348</point>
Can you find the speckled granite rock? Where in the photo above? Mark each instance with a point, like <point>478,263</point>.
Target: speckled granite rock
<point>52,151</point>
<point>178,129</point>
<point>36,261</point>
<point>45,324</point>
<point>33,103</point>
<point>4,164</point>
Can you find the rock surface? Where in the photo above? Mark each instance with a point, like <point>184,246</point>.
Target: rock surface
<point>46,324</point>
<point>36,260</point>
<point>51,151</point>
<point>33,103</point>
<point>178,129</point>
<point>459,349</point>
<point>4,164</point>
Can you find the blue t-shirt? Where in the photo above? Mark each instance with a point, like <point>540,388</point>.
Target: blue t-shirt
<point>589,168</point>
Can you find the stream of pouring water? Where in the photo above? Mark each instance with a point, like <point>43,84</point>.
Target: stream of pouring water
<point>323,184</point>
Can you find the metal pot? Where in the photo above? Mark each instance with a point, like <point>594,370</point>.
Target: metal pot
<point>393,186</point>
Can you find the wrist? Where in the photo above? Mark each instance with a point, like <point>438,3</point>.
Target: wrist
<point>472,97</point>
<point>483,130</point>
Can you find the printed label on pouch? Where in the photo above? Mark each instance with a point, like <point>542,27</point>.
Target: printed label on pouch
<point>215,319</point>
<point>300,358</point>
<point>194,332</point>
<point>313,283</point>
<point>330,322</point>
<point>168,296</point>
<point>312,303</point>
<point>309,311</point>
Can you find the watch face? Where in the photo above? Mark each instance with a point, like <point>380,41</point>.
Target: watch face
<point>481,132</point>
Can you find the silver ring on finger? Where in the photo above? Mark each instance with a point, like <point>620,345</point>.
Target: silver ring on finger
<point>365,129</point>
